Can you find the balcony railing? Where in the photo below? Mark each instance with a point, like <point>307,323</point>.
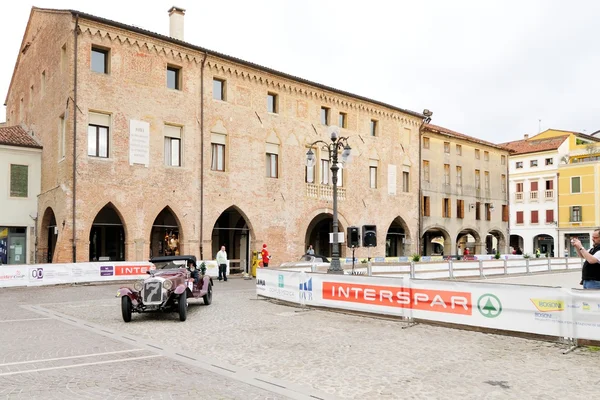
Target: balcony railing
<point>533,195</point>
<point>549,194</point>
<point>324,192</point>
<point>519,196</point>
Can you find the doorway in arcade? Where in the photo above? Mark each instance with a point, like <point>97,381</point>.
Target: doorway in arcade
<point>232,231</point>
<point>107,236</point>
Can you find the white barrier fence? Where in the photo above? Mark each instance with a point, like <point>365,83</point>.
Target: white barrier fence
<point>564,313</point>
<point>56,274</point>
<point>457,269</point>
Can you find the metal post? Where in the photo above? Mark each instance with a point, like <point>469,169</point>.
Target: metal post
<point>412,270</point>
<point>527,265</point>
<point>335,267</point>
<point>549,264</point>
<point>566,262</point>
<point>481,269</point>
<point>451,268</point>
<point>505,266</point>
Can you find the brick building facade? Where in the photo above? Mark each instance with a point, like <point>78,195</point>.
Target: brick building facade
<point>181,149</point>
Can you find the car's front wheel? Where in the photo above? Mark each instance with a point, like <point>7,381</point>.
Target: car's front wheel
<point>126,308</point>
<point>183,306</point>
<point>208,296</point>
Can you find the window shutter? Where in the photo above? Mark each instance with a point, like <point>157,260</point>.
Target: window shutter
<point>519,217</point>
<point>549,216</point>
<point>534,217</point>
<point>534,186</point>
<point>571,213</point>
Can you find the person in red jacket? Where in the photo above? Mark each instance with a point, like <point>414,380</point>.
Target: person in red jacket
<point>265,256</point>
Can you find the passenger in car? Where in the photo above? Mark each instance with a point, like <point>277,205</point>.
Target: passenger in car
<point>194,271</point>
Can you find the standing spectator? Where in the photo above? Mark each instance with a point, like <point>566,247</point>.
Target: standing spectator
<point>310,250</point>
<point>222,263</point>
<point>590,274</point>
<point>466,252</point>
<point>265,256</point>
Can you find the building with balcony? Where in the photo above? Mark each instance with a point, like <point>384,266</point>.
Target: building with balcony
<point>535,183</point>
<point>154,146</point>
<point>20,163</point>
<point>464,201</point>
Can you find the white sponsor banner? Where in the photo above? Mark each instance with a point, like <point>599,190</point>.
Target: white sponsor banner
<point>282,285</point>
<point>13,276</point>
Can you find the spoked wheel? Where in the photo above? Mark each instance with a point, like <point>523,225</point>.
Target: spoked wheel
<point>208,296</point>
<point>126,308</point>
<point>183,306</point>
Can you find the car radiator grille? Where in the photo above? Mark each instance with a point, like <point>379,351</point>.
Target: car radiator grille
<point>152,292</point>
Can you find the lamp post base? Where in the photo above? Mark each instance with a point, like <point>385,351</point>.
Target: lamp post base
<point>335,267</point>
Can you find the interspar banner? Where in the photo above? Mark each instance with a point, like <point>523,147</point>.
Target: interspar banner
<point>531,309</point>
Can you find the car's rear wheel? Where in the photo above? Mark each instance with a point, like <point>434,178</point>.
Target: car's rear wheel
<point>208,296</point>
<point>183,306</point>
<point>126,308</point>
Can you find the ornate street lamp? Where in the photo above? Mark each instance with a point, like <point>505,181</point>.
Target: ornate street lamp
<point>337,144</point>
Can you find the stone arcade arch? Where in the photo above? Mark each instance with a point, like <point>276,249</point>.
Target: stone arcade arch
<point>48,236</point>
<point>470,238</point>
<point>545,243</point>
<point>317,234</point>
<point>107,235</point>
<point>397,241</point>
<point>437,241</point>
<point>495,241</point>
<point>166,235</point>
<point>516,243</point>
<point>233,230</point>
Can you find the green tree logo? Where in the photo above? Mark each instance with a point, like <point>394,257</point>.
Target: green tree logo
<point>489,305</point>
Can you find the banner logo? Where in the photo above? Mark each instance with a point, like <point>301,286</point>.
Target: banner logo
<point>395,296</point>
<point>280,283</point>
<point>306,290</point>
<point>489,305</point>
<point>131,270</point>
<point>544,305</point>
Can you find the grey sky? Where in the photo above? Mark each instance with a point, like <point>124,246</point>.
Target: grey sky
<point>489,69</point>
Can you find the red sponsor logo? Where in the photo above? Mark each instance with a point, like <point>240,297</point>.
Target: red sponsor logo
<point>131,269</point>
<point>444,301</point>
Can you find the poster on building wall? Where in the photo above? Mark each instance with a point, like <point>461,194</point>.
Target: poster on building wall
<point>391,179</point>
<point>139,142</point>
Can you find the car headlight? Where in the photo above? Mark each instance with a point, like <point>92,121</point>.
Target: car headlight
<point>138,286</point>
<point>168,284</point>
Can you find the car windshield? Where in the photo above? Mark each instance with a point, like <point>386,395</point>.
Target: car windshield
<point>307,258</point>
<point>170,264</point>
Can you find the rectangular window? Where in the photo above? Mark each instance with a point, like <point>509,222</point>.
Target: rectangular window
<point>519,187</point>
<point>405,181</point>
<point>488,212</point>
<point>425,170</point>
<point>99,60</point>
<point>576,184</point>
<point>98,135</point>
<point>575,214</point>
<point>218,157</point>
<point>446,174</point>
<point>343,120</point>
<point>19,180</point>
<point>460,208</point>
<point>310,173</point>
<point>458,150</point>
<point>534,217</point>
<point>426,206</point>
<point>446,208</point>
<point>534,186</point>
<point>272,165</point>
<point>425,142</point>
<point>486,156</point>
<point>550,185</point>
<point>478,211</point>
<point>519,217</point>
<point>549,216</point>
<point>503,160</point>
<point>486,177</point>
<point>503,183</point>
<point>519,164</point>
<point>43,83</point>
<point>477,155</point>
<point>219,89</point>
<point>549,161</point>
<point>504,213</point>
<point>272,103</point>
<point>477,179</point>
<point>340,177</point>
<point>324,116</point>
<point>173,145</point>
<point>62,132</point>
<point>173,77</point>
<point>458,176</point>
<point>325,172</point>
<point>533,163</point>
<point>373,174</point>
<point>373,129</point>
<point>447,147</point>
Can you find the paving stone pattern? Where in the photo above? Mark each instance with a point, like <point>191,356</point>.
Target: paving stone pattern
<point>344,355</point>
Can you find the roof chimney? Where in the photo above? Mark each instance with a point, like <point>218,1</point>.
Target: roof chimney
<point>176,15</point>
<point>526,136</point>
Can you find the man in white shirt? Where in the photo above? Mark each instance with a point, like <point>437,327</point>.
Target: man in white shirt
<point>222,263</point>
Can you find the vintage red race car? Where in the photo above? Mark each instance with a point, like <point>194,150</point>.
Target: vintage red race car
<point>170,284</point>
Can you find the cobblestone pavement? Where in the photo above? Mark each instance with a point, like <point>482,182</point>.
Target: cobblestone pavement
<point>306,352</point>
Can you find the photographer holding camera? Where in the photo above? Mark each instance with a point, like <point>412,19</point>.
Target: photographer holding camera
<point>590,274</point>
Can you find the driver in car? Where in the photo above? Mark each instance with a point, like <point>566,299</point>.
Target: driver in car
<point>191,264</point>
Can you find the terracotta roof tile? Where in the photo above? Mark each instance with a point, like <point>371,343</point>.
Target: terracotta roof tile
<point>448,132</point>
<point>16,136</point>
<point>533,146</point>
